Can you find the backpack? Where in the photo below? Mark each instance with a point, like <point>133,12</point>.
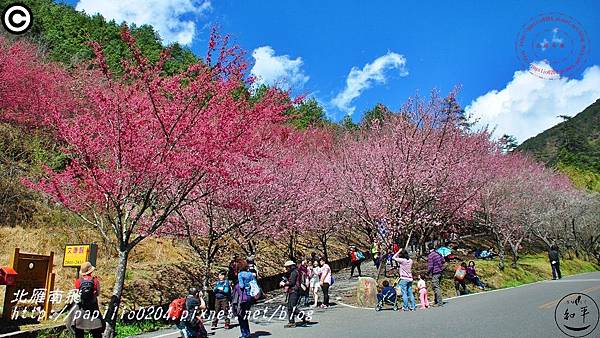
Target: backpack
<point>176,309</point>
<point>255,290</point>
<point>360,256</point>
<point>86,291</point>
<point>460,274</point>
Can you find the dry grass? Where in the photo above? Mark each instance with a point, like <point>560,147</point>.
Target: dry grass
<point>159,268</point>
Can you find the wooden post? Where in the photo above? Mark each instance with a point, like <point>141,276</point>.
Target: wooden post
<point>49,288</point>
<point>7,308</point>
<point>49,285</point>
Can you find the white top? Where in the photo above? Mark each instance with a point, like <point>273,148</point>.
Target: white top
<point>315,273</point>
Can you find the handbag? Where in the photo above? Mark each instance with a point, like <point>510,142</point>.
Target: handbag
<point>460,274</point>
<point>255,290</point>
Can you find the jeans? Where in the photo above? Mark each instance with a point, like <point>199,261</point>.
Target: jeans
<point>355,265</point>
<point>243,320</point>
<point>556,271</point>
<point>182,329</point>
<point>408,298</point>
<point>475,280</point>
<point>436,280</point>
<point>325,288</point>
<point>292,306</point>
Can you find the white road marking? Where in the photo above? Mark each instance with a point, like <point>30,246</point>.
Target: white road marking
<point>494,290</point>
<point>167,334</point>
<point>572,280</point>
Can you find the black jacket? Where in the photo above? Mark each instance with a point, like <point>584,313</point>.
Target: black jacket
<point>192,306</point>
<point>553,256</point>
<point>293,279</point>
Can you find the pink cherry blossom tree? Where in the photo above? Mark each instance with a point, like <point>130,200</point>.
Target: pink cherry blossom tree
<point>147,145</point>
<point>418,172</point>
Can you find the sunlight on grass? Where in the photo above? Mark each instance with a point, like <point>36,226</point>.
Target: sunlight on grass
<point>530,269</point>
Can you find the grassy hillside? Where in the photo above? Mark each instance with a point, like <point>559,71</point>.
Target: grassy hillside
<point>572,146</point>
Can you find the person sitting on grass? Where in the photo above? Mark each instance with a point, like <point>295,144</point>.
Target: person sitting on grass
<point>388,293</point>
<point>472,276</point>
<point>459,279</point>
<point>488,254</point>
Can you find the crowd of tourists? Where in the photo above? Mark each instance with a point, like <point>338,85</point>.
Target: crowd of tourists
<point>236,289</point>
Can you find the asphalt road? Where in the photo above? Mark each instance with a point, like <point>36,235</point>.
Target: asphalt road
<point>525,311</point>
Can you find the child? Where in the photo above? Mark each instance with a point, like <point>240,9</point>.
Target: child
<point>314,281</point>
<point>222,292</point>
<point>459,279</point>
<point>388,293</point>
<point>422,286</point>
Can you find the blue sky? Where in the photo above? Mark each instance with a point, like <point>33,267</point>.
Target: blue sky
<point>397,49</point>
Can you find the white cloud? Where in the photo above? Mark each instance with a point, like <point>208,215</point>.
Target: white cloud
<point>281,70</point>
<point>529,105</point>
<point>173,19</point>
<point>361,79</point>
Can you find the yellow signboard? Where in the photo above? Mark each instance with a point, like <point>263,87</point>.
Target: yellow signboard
<point>75,255</point>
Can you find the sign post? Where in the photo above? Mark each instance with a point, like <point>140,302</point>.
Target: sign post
<point>77,254</point>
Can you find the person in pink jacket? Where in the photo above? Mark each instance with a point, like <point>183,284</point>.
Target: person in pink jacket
<point>406,279</point>
<point>325,282</point>
<point>422,286</point>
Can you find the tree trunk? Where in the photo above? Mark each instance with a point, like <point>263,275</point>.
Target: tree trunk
<point>323,240</point>
<point>501,255</point>
<point>111,314</point>
<point>291,253</point>
<point>514,248</point>
<point>381,269</point>
<point>575,240</point>
<point>251,248</point>
<point>408,240</point>
<point>208,260</point>
<point>515,255</point>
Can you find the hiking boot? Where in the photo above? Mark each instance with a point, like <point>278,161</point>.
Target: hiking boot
<point>290,325</point>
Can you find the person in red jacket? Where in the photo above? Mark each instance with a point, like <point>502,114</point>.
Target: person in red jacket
<point>355,261</point>
<point>89,319</point>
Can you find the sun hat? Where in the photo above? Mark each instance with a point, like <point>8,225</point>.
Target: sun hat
<point>86,268</point>
<point>289,263</point>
